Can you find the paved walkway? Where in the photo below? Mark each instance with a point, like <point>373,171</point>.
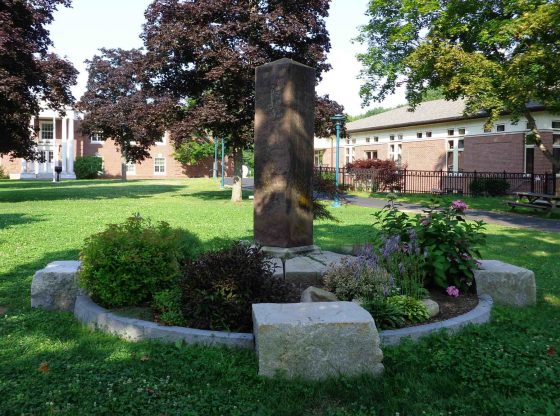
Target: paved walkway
<point>499,218</point>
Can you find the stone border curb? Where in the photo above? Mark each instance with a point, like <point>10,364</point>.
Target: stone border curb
<point>94,316</point>
<point>479,315</point>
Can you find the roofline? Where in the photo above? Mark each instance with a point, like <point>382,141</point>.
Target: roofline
<point>433,121</point>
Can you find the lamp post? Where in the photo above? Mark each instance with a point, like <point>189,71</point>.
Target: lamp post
<point>338,119</point>
<point>215,170</point>
<point>223,163</point>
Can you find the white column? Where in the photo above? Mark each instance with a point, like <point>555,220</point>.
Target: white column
<point>64,144</point>
<point>23,166</point>
<point>55,149</point>
<point>70,164</point>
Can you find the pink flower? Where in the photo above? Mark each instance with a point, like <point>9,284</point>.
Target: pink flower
<point>453,291</point>
<point>459,206</point>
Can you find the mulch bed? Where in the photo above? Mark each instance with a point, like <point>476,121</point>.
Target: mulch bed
<point>450,307</point>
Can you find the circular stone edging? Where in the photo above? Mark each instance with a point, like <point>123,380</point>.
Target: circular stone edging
<point>94,316</point>
<point>479,315</point>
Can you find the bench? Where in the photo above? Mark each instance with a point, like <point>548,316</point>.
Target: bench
<point>543,206</point>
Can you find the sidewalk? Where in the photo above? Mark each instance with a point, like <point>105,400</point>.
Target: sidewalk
<point>499,218</point>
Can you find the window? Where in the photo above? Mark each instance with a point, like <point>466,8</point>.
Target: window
<point>500,127</point>
<point>371,154</point>
<point>556,124</point>
<point>159,165</point>
<point>529,159</point>
<point>428,134</point>
<point>556,139</point>
<point>451,132</point>
<point>461,144</point>
<point>367,139</point>
<point>131,168</point>
<point>419,135</point>
<point>556,149</point>
<point>451,144</point>
<point>528,126</point>
<point>347,141</point>
<point>400,136</point>
<point>462,131</point>
<point>395,153</point>
<point>319,155</point>
<point>96,137</point>
<point>375,139</point>
<point>392,137</point>
<point>455,155</point>
<point>161,141</point>
<point>47,131</point>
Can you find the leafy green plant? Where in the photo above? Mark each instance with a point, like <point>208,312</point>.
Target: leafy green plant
<point>3,174</point>
<point>219,288</point>
<point>167,307</point>
<point>489,187</point>
<point>191,152</point>
<point>128,263</point>
<point>412,309</point>
<point>385,314</point>
<point>88,167</point>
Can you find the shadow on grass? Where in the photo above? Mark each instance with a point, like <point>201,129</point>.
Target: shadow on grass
<point>11,220</point>
<point>90,190</point>
<point>224,195</point>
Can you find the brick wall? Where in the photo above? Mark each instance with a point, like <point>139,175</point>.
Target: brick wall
<point>381,149</point>
<point>424,155</point>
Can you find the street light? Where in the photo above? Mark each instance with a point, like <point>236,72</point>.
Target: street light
<point>338,119</point>
<point>215,167</point>
<point>223,162</point>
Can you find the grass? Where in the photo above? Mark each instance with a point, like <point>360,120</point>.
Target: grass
<point>49,364</point>
<point>485,203</point>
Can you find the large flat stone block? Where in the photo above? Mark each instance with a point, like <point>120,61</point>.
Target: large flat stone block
<point>316,340</point>
<point>506,284</point>
<point>55,287</point>
<point>284,128</point>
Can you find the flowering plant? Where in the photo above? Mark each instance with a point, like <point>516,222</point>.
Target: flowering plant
<point>453,291</point>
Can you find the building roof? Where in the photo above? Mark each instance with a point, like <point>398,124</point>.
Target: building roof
<point>427,112</point>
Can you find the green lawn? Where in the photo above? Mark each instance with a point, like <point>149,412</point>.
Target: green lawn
<point>495,204</point>
<point>507,367</point>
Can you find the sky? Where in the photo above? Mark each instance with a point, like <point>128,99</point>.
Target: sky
<point>79,32</point>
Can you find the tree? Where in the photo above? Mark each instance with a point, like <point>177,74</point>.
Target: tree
<point>29,74</point>
<point>207,51</point>
<point>118,104</point>
<point>498,55</point>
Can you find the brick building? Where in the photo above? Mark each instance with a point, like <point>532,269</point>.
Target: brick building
<point>437,136</point>
<point>60,140</point>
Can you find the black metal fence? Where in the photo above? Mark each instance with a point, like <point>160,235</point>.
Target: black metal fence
<point>437,182</point>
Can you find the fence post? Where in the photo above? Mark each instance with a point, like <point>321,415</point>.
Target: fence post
<point>441,181</point>
<point>532,182</point>
<point>404,183</point>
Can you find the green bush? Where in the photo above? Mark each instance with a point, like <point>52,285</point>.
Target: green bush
<point>489,187</point>
<point>386,315</point>
<point>167,307</point>
<point>126,264</point>
<point>219,288</point>
<point>3,174</point>
<point>88,167</point>
<point>412,309</point>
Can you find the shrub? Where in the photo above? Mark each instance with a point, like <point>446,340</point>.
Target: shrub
<point>167,307</point>
<point>386,315</point>
<point>191,152</point>
<point>489,187</point>
<point>449,243</point>
<point>412,309</point>
<point>219,288</point>
<point>382,175</point>
<point>3,174</point>
<point>88,167</point>
<point>126,264</point>
<point>358,278</point>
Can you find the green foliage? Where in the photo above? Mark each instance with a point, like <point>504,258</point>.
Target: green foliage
<point>3,174</point>
<point>412,309</point>
<point>191,152</point>
<point>358,278</point>
<point>126,264</point>
<point>219,288</point>
<point>492,53</point>
<point>489,187</point>
<point>369,113</point>
<point>167,307</point>
<point>88,167</point>
<point>448,241</point>
<point>249,161</point>
<point>386,315</point>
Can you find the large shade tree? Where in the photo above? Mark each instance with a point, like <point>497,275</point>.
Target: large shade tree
<point>29,73</point>
<point>118,104</point>
<point>498,55</point>
<point>203,55</point>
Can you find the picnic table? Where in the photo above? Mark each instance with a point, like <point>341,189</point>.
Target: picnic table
<point>545,202</point>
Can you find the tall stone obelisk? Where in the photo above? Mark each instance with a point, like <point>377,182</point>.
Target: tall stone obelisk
<point>284,128</point>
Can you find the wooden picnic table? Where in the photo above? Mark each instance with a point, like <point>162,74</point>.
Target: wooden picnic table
<point>545,202</point>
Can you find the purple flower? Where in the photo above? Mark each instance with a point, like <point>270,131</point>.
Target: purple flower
<point>453,291</point>
<point>459,206</point>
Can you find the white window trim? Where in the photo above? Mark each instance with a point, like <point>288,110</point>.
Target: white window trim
<point>164,166</point>
<point>502,131</point>
<point>41,124</point>
<point>96,141</point>
<point>133,171</point>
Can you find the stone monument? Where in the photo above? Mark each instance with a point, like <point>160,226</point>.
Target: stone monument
<point>284,130</point>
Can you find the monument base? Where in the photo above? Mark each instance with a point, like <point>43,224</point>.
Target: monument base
<point>289,252</point>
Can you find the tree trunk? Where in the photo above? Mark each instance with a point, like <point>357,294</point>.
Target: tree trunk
<point>123,168</point>
<point>236,194</point>
<point>538,141</point>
